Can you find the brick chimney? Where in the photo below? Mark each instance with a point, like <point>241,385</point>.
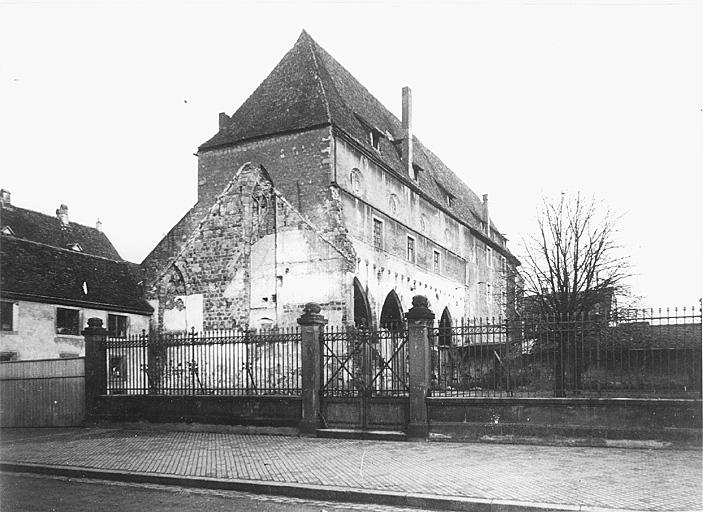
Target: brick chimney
<point>486,217</point>
<point>62,215</point>
<point>407,154</point>
<point>99,226</point>
<point>5,197</point>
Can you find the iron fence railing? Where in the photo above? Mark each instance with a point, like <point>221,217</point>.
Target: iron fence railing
<point>208,363</point>
<point>363,362</point>
<point>634,353</point>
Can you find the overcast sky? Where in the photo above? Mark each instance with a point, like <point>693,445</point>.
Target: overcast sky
<point>102,105</point>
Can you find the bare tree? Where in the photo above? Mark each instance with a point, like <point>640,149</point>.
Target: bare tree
<point>574,260</point>
<point>572,269</point>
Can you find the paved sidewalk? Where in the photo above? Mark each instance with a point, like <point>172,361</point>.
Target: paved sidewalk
<point>487,475</point>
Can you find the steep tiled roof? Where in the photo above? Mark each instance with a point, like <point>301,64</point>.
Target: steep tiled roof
<point>45,229</point>
<point>39,272</point>
<point>310,88</point>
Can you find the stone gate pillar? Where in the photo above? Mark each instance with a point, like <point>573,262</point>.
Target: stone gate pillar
<point>420,322</point>
<point>311,325</point>
<point>95,364</point>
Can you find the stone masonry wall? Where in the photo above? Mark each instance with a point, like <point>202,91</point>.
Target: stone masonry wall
<point>238,258</point>
<point>298,163</point>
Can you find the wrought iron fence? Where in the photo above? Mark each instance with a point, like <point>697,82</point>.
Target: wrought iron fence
<point>208,363</point>
<point>363,362</point>
<point>635,353</point>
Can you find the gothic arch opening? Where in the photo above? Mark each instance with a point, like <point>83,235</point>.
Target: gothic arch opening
<point>392,313</point>
<point>362,311</point>
<point>445,328</point>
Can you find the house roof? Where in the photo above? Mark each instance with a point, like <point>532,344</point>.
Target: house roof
<point>309,88</point>
<point>46,229</point>
<point>42,273</point>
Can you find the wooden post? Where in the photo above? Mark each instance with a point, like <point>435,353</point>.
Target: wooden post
<point>420,321</point>
<point>95,364</point>
<point>311,325</point>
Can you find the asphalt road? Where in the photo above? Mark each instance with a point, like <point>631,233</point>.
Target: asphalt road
<point>20,492</point>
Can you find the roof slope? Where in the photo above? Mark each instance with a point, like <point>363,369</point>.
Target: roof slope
<point>45,229</point>
<point>290,98</point>
<point>308,88</point>
<point>43,273</point>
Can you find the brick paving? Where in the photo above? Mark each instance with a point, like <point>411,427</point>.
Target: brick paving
<point>633,479</point>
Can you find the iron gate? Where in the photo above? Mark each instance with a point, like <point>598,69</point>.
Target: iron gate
<point>364,377</point>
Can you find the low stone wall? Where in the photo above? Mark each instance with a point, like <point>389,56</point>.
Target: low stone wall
<point>464,419</point>
<point>269,410</point>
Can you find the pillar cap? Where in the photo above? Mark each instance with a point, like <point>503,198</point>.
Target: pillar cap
<point>311,315</point>
<point>420,310</point>
<point>95,326</point>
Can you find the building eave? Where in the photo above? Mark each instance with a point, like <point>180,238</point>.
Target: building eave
<point>118,308</point>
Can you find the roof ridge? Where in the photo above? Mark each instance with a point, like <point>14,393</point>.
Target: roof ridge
<point>311,44</point>
<point>20,239</point>
<point>53,217</point>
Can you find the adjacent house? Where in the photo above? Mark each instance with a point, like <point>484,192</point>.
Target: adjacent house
<point>54,275</point>
<point>314,191</point>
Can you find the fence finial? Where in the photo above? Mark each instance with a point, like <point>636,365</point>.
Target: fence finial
<point>420,309</point>
<point>311,315</point>
<point>95,323</point>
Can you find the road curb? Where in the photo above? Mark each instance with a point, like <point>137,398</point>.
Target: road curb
<point>305,491</point>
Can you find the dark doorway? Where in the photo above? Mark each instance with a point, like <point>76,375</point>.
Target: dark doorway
<point>392,313</point>
<point>362,311</point>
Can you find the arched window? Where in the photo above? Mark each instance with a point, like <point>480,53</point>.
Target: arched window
<point>362,311</point>
<point>445,329</point>
<point>392,313</point>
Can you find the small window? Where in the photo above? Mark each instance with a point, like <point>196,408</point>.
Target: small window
<point>6,316</point>
<point>67,321</point>
<point>489,257</point>
<point>436,263</point>
<point>117,326</point>
<point>375,138</point>
<point>416,172</point>
<point>378,234</point>
<point>6,357</point>
<point>489,293</point>
<point>411,249</point>
<point>448,199</point>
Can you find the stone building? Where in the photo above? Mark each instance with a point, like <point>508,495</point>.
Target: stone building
<point>54,275</point>
<point>314,191</point>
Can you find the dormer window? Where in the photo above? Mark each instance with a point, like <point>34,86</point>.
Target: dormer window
<point>416,171</point>
<point>446,195</point>
<point>375,138</point>
<point>7,230</point>
<point>76,247</point>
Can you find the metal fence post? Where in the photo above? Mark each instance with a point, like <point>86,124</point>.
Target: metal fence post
<point>420,322</point>
<point>95,364</point>
<point>311,323</point>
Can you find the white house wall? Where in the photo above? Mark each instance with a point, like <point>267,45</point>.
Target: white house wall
<point>34,335</point>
